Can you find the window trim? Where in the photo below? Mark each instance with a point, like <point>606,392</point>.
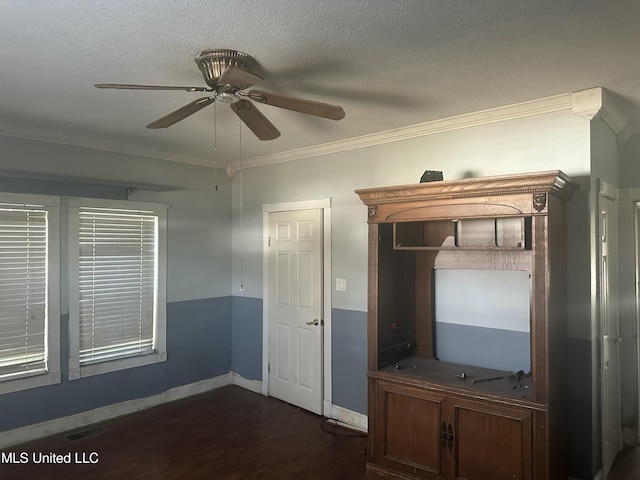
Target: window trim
<point>52,375</point>
<point>76,371</point>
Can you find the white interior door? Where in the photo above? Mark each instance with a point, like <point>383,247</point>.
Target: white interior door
<point>609,315</point>
<point>295,307</point>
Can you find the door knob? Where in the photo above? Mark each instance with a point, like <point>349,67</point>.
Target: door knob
<point>315,321</point>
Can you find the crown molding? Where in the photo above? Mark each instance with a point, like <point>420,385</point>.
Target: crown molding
<point>41,135</point>
<point>596,103</point>
<point>587,104</point>
<point>511,112</point>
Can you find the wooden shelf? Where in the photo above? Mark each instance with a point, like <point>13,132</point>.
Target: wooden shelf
<point>498,234</point>
<point>470,249</point>
<point>445,374</point>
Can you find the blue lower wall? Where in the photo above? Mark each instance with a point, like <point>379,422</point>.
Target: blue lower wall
<point>246,337</point>
<point>349,359</point>
<point>198,340</point>
<point>198,346</point>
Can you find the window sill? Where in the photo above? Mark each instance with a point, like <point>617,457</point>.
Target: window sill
<point>30,381</point>
<point>116,365</point>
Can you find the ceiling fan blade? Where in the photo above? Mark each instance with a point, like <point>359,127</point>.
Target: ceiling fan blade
<point>238,78</point>
<point>182,113</point>
<point>255,120</point>
<point>318,109</point>
<point>125,86</point>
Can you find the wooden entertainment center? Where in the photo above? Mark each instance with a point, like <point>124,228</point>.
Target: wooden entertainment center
<point>466,328</point>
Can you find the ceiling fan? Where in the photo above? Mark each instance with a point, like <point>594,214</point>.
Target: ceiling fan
<point>228,75</point>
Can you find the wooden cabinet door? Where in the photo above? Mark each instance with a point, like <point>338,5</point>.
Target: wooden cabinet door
<point>407,430</point>
<point>489,441</point>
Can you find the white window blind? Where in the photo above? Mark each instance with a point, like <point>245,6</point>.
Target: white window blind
<point>23,289</point>
<point>117,271</point>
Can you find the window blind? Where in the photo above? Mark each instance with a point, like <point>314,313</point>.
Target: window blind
<point>117,279</point>
<point>23,289</point>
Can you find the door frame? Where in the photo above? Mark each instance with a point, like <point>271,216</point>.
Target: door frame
<point>611,193</point>
<point>325,205</point>
<point>630,247</point>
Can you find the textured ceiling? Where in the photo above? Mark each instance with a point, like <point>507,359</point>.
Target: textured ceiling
<point>390,64</point>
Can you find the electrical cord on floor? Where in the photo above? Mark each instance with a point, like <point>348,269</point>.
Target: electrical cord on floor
<point>334,428</point>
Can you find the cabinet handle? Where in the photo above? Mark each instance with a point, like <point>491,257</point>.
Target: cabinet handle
<point>446,435</point>
<point>443,435</point>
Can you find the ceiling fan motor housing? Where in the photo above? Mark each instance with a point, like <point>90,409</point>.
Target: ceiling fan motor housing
<point>213,63</point>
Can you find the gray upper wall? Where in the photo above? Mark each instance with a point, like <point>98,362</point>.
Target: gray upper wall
<point>551,141</point>
<point>630,162</point>
<point>52,161</point>
<point>199,199</point>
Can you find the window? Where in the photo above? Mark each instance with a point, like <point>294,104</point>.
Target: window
<point>29,292</point>
<point>117,256</point>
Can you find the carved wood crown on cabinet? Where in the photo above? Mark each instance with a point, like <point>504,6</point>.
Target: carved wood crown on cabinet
<point>434,419</point>
<point>460,192</point>
<point>542,182</point>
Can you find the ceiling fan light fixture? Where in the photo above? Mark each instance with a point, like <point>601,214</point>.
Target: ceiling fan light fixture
<point>227,97</point>
<point>226,94</point>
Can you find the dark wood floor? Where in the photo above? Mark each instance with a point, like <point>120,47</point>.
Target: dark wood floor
<point>226,434</point>
<point>626,466</point>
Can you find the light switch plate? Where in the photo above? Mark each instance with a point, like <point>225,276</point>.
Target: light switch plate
<point>341,284</point>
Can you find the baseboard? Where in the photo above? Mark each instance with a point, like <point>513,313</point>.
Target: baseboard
<point>349,418</point>
<point>253,385</point>
<point>59,425</point>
